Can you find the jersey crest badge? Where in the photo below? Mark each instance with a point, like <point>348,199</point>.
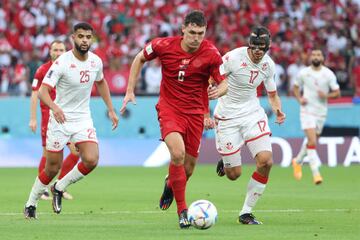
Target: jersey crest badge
<point>264,67</point>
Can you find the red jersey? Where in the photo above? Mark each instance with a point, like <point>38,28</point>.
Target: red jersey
<point>38,78</point>
<point>185,75</point>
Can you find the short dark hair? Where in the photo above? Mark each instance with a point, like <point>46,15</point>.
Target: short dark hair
<point>318,48</point>
<point>83,25</point>
<point>56,41</point>
<point>195,17</point>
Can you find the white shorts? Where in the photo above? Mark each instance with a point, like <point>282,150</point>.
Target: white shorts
<point>310,121</point>
<point>58,135</point>
<point>231,134</point>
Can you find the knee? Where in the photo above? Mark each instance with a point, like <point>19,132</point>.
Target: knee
<point>233,174</point>
<point>52,169</point>
<point>90,160</point>
<point>264,160</point>
<point>178,156</point>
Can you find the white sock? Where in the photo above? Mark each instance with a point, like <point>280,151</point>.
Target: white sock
<point>72,177</point>
<point>302,153</point>
<point>36,191</point>
<point>254,190</point>
<point>313,161</point>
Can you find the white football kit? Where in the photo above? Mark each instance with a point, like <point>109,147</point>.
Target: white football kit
<point>238,114</point>
<point>313,114</point>
<point>74,80</point>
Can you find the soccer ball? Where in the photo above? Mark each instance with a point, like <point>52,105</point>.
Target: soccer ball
<point>202,214</point>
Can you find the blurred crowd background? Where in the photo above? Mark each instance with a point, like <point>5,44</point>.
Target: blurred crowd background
<point>27,27</point>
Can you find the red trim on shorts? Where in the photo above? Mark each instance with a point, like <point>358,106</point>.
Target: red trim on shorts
<point>86,141</point>
<point>54,151</point>
<point>48,85</point>
<point>228,154</point>
<point>252,139</point>
<point>310,147</point>
<point>261,179</point>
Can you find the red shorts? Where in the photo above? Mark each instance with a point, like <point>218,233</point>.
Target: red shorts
<point>189,125</point>
<point>45,114</point>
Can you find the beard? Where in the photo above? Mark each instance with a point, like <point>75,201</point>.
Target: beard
<point>80,50</point>
<point>316,63</point>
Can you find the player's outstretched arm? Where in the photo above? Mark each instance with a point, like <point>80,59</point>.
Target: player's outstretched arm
<point>275,103</point>
<point>136,66</point>
<point>33,105</point>
<point>44,96</point>
<point>104,92</point>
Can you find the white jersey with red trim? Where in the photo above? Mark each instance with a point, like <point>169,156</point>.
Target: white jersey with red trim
<point>244,77</point>
<point>312,81</point>
<point>74,80</point>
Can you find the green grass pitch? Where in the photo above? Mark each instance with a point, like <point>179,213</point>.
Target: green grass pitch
<point>122,203</point>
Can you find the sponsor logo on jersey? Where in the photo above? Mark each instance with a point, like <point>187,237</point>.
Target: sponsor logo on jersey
<point>243,64</point>
<point>93,64</point>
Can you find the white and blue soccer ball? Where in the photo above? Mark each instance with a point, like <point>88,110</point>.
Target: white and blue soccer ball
<point>202,214</point>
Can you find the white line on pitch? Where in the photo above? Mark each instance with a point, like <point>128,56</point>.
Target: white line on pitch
<point>162,212</point>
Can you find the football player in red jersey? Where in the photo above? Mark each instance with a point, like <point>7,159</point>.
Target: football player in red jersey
<point>57,48</point>
<point>188,61</point>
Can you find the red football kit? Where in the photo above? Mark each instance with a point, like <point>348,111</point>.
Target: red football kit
<point>45,111</point>
<point>183,92</point>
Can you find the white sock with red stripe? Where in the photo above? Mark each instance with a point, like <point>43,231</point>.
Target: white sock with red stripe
<point>77,173</point>
<point>36,191</point>
<point>255,189</point>
<point>313,160</point>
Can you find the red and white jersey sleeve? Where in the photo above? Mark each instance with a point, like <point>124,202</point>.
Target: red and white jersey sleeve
<point>74,80</point>
<point>243,78</point>
<point>39,75</point>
